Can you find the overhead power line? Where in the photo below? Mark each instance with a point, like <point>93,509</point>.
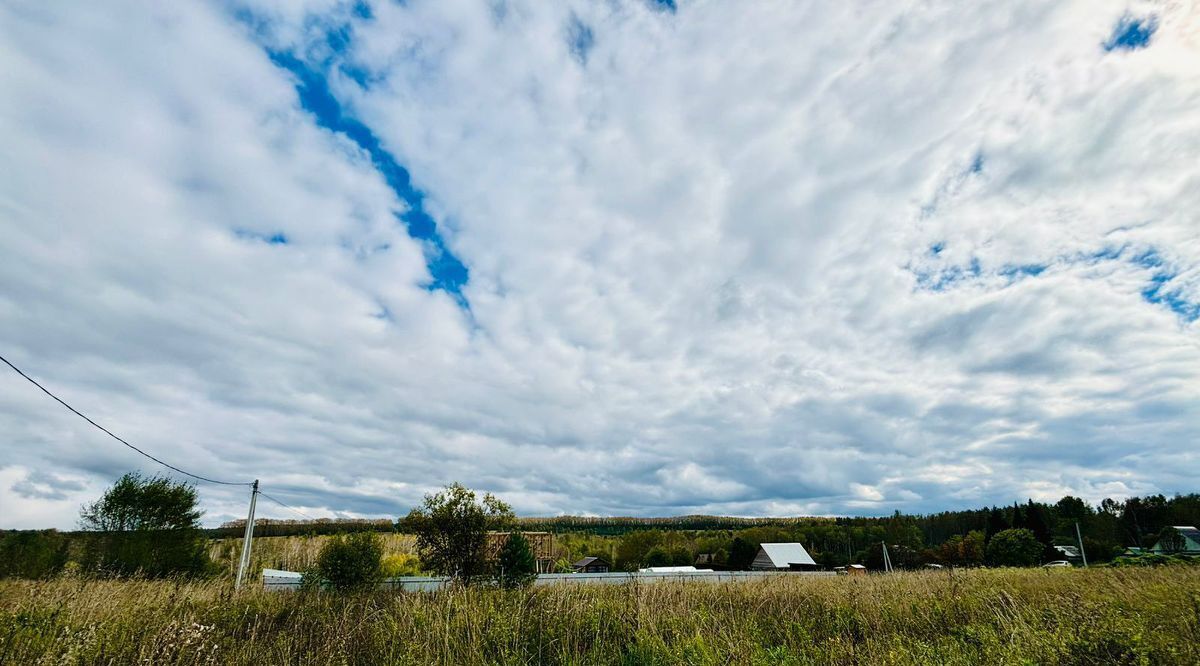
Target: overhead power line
<point>110,434</point>
<point>293,510</point>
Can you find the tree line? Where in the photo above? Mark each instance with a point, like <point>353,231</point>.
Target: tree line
<point>151,527</point>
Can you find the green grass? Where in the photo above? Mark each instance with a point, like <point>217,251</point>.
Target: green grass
<point>1098,616</point>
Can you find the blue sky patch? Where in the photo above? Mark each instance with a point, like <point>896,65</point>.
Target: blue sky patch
<point>1156,292</point>
<point>977,163</point>
<point>277,238</point>
<point>664,5</point>
<point>448,273</point>
<point>941,280</point>
<point>580,39</point>
<point>1015,271</point>
<point>1172,298</point>
<point>1132,33</point>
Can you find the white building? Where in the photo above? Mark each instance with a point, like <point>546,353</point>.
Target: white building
<point>782,557</point>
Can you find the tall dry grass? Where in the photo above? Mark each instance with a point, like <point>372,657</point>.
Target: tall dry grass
<point>1096,616</point>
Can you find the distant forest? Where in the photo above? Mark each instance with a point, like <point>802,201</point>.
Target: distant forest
<point>950,537</point>
<point>1133,522</point>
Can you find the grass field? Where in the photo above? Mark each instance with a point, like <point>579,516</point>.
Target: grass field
<point>1033,616</point>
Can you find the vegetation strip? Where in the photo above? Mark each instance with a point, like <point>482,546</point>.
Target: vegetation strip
<point>999,616</point>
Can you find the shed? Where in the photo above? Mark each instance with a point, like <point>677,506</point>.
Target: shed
<point>782,557</point>
<point>591,565</point>
<point>856,570</point>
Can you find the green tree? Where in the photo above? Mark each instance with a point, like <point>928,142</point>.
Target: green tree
<point>658,557</point>
<point>635,547</point>
<point>901,556</point>
<point>145,526</point>
<point>741,554</point>
<point>1036,521</point>
<point>973,550</point>
<point>996,523</point>
<point>351,561</point>
<point>516,565</point>
<point>1014,548</point>
<point>1170,541</point>
<point>32,554</point>
<point>681,556</point>
<point>1099,550</point>
<point>1072,509</point>
<point>452,528</point>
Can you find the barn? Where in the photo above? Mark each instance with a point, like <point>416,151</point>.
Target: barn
<point>782,557</point>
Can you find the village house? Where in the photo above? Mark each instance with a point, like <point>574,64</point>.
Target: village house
<point>591,565</point>
<point>1188,542</point>
<point>782,557</point>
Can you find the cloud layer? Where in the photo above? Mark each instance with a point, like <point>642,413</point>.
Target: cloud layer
<point>747,259</point>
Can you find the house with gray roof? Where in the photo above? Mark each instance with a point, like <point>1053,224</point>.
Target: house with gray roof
<point>782,557</point>
<point>1188,542</point>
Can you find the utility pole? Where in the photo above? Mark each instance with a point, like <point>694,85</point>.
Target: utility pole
<point>887,561</point>
<point>247,538</point>
<point>1079,536</point>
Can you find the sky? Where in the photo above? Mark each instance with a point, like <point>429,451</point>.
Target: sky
<point>606,257</point>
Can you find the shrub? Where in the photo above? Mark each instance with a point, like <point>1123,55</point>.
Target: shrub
<point>351,561</point>
<point>401,564</point>
<point>1014,548</point>
<point>1153,560</point>
<point>32,554</point>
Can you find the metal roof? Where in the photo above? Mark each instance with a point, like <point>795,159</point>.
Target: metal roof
<point>1188,532</point>
<point>783,555</point>
<point>588,560</point>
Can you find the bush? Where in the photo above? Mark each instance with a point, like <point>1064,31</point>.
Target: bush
<point>1014,548</point>
<point>352,561</point>
<point>32,554</point>
<point>1154,560</point>
<point>401,564</point>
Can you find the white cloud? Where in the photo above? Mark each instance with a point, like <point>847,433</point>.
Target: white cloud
<point>701,258</point>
